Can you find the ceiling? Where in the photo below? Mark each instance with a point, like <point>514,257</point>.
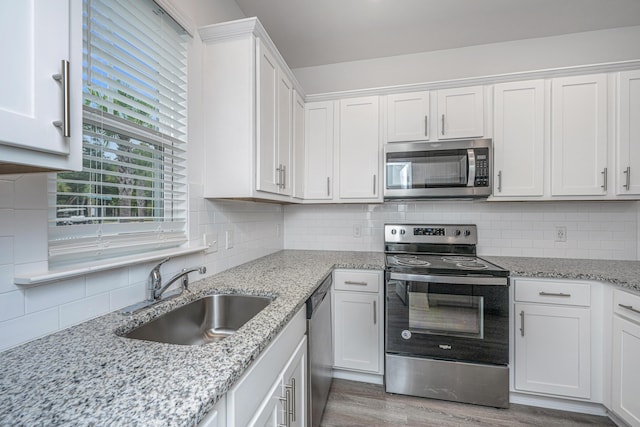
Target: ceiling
<point>317,32</point>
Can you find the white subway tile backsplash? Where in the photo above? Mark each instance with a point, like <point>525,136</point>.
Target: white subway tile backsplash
<point>123,297</point>
<point>6,194</point>
<point>505,228</point>
<point>28,327</point>
<point>11,305</point>
<point>30,231</point>
<point>38,298</point>
<point>30,192</point>
<point>6,278</point>
<point>84,309</point>
<point>105,281</point>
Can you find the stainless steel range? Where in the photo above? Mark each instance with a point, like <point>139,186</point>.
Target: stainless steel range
<point>446,316</point>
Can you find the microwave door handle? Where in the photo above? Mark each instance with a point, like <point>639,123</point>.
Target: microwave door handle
<point>471,159</point>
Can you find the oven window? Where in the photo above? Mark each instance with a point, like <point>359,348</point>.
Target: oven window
<point>427,169</point>
<point>446,314</point>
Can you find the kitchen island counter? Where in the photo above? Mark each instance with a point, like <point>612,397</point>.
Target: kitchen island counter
<point>89,375</point>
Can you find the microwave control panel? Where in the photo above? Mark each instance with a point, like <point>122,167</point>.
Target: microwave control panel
<point>482,168</point>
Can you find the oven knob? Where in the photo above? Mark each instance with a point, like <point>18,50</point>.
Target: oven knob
<point>393,231</point>
<point>467,233</point>
<point>456,233</point>
<point>402,232</point>
<point>406,334</point>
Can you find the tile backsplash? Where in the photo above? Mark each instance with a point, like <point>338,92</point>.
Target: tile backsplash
<point>30,312</point>
<point>603,230</point>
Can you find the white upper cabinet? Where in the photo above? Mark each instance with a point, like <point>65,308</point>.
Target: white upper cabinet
<point>41,86</point>
<point>460,113</point>
<point>518,143</point>
<point>319,140</point>
<point>408,117</point>
<point>275,115</point>
<point>579,136</point>
<point>628,143</point>
<point>298,147</point>
<point>359,149</point>
<point>249,105</point>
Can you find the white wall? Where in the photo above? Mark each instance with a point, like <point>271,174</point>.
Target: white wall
<point>30,312</point>
<point>586,48</point>
<point>602,230</point>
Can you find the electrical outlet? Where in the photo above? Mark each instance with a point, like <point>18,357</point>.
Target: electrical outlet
<point>357,230</point>
<point>229,239</point>
<point>561,234</point>
<point>211,242</point>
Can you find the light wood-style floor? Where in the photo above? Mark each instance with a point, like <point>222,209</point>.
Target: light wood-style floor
<point>359,404</point>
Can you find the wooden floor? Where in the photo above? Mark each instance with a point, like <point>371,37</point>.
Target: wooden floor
<point>359,404</point>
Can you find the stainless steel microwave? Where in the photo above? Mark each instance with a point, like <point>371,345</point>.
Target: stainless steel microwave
<point>443,169</point>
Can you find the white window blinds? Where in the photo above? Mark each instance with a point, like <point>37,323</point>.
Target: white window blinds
<point>131,195</point>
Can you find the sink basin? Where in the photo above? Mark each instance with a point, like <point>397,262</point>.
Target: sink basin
<point>202,321</point>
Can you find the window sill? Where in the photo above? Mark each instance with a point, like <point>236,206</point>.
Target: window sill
<point>102,265</point>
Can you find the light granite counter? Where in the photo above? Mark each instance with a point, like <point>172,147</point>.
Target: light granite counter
<point>624,274</point>
<point>88,375</point>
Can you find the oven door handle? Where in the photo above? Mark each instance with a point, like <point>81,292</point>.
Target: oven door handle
<point>455,280</point>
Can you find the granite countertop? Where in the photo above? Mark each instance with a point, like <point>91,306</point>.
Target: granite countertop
<point>625,274</point>
<point>88,375</point>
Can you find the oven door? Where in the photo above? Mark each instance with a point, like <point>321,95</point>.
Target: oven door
<point>448,317</point>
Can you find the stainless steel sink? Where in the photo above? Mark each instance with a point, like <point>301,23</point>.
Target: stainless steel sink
<point>202,321</point>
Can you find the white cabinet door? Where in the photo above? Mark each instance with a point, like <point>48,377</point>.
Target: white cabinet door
<point>625,383</point>
<point>461,113</point>
<point>518,143</point>
<point>275,114</point>
<point>552,350</point>
<point>268,172</point>
<point>408,117</point>
<point>579,136</point>
<point>628,149</point>
<point>356,331</point>
<point>319,150</point>
<point>298,173</point>
<point>294,381</point>
<point>285,133</point>
<point>216,417</point>
<point>359,152</point>
<point>272,411</point>
<point>41,34</point>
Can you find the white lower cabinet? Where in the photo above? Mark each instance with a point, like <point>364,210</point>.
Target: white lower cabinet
<point>625,378</point>
<point>273,390</point>
<point>553,338</point>
<point>358,321</point>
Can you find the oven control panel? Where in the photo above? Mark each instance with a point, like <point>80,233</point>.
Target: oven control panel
<point>422,233</point>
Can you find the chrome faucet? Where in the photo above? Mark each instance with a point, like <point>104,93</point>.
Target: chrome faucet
<point>184,274</point>
<point>155,289</point>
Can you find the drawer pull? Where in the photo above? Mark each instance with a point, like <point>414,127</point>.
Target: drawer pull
<point>352,282</point>
<point>553,294</point>
<point>630,307</point>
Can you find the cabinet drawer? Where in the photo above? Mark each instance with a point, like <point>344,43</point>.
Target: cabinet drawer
<point>357,280</point>
<point>553,292</point>
<point>626,304</point>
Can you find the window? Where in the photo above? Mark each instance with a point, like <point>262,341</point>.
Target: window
<point>131,195</point>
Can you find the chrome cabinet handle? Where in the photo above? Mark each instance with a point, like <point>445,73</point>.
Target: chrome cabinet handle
<point>328,186</point>
<point>426,125</point>
<point>293,400</point>
<point>499,181</point>
<point>375,314</point>
<point>284,176</point>
<point>522,323</point>
<point>630,307</point>
<point>443,124</point>
<point>374,185</point>
<point>63,78</point>
<point>286,400</point>
<point>553,294</point>
<point>351,282</point>
<point>604,183</point>
<point>627,179</point>
<point>278,174</point>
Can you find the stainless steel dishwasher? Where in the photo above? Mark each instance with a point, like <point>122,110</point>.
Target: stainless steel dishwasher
<point>320,342</point>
